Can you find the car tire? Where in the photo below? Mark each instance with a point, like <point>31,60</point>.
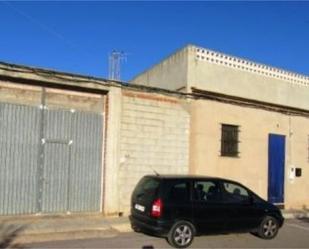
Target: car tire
<point>268,228</point>
<point>136,229</point>
<point>181,234</point>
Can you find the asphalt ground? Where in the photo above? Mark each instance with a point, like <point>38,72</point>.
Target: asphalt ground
<point>294,234</point>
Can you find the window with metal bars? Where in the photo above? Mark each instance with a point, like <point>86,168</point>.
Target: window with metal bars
<point>229,140</point>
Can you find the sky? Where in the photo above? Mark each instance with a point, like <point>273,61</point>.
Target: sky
<point>77,36</point>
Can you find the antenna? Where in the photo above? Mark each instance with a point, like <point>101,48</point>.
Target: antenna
<point>114,64</point>
<point>156,173</point>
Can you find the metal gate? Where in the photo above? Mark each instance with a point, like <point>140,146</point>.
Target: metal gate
<point>50,160</point>
<point>19,149</point>
<point>72,149</point>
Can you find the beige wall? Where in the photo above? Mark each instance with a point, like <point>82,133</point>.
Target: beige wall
<point>112,151</point>
<point>297,189</point>
<point>20,94</point>
<point>251,168</point>
<point>226,80</point>
<point>244,79</point>
<point>170,74</point>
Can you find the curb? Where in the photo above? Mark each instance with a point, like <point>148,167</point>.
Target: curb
<point>296,215</point>
<point>122,228</point>
<point>111,232</point>
<point>34,230</point>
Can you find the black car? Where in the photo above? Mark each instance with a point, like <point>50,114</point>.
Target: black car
<point>181,207</point>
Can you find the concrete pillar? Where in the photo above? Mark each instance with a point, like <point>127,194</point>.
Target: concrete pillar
<point>110,204</point>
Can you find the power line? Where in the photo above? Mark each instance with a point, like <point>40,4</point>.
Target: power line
<point>46,28</point>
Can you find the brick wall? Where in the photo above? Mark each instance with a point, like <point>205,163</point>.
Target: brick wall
<point>154,136</point>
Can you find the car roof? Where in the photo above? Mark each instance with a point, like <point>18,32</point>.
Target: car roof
<point>197,177</point>
<point>191,177</point>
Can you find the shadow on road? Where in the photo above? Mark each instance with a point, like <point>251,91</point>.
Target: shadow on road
<point>303,219</point>
<point>8,235</point>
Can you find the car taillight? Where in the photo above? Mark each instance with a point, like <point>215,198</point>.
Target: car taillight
<point>156,210</point>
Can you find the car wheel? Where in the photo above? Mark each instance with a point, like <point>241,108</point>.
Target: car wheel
<point>181,234</point>
<point>135,229</point>
<point>268,228</point>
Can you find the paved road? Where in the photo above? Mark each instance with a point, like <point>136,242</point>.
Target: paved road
<point>294,234</point>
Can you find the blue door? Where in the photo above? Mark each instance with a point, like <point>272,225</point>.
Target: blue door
<point>276,159</point>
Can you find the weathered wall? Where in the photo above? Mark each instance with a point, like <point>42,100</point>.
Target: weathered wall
<point>242,78</point>
<point>251,167</point>
<point>217,72</point>
<point>297,189</point>
<point>170,74</point>
<point>154,136</point>
<point>112,151</point>
<point>55,98</point>
<point>20,94</point>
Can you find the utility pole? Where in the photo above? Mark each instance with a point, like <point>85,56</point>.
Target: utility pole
<point>114,64</point>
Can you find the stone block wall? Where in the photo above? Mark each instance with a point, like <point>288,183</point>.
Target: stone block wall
<point>154,137</point>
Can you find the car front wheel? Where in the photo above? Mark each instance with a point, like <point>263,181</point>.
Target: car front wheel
<point>181,234</point>
<point>268,228</point>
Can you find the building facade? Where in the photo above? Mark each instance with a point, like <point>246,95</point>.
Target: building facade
<point>75,144</point>
<point>249,121</point>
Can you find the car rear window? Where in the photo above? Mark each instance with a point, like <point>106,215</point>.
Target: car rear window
<point>147,186</point>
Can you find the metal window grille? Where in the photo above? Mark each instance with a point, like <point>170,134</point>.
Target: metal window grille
<point>229,140</point>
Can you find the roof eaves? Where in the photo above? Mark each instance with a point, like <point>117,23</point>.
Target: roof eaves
<point>22,73</point>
